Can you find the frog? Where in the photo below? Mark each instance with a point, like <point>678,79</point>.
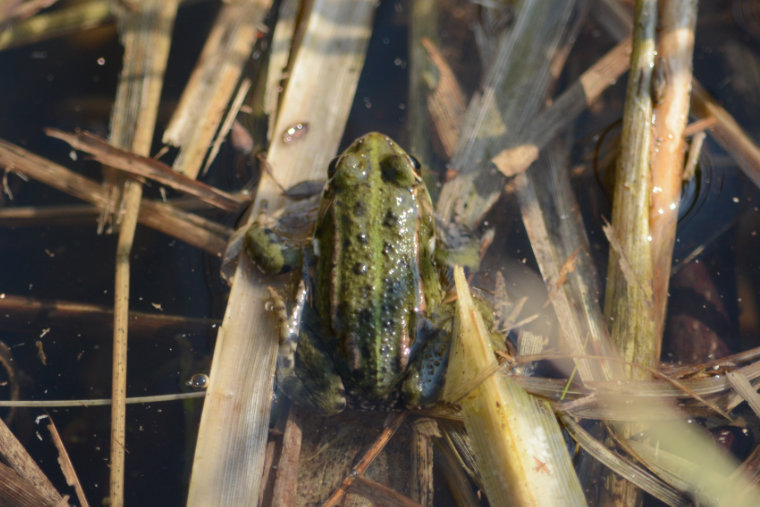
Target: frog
<point>368,327</point>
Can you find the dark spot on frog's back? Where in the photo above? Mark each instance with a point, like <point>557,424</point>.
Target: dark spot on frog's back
<point>392,286</point>
<point>346,220</point>
<point>365,319</point>
<point>362,238</point>
<point>360,209</point>
<point>360,268</point>
<point>391,219</point>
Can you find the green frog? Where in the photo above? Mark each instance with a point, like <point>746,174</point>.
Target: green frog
<point>368,328</point>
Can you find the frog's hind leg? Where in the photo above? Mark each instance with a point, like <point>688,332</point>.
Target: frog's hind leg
<point>430,358</point>
<point>304,372</point>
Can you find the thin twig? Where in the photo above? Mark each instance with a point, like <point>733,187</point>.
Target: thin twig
<point>101,402</point>
<point>366,460</point>
<point>146,34</point>
<point>67,467</point>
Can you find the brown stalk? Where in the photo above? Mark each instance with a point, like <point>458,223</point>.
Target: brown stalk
<point>146,35</point>
<point>190,228</point>
<point>617,21</point>
<point>132,163</point>
<point>573,101</point>
<point>213,83</point>
<point>728,132</point>
<point>286,476</point>
<point>67,18</point>
<point>94,318</point>
<point>366,460</point>
<point>627,307</point>
<point>24,465</point>
<point>66,466</point>
<point>380,494</point>
<point>446,103</point>
<point>675,45</point>
<point>22,10</point>
<point>17,491</point>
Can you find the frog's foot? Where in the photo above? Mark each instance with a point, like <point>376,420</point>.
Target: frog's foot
<point>305,373</point>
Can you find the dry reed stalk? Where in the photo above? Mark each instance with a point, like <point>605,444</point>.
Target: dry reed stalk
<point>675,45</point>
<point>283,41</point>
<point>555,230</point>
<point>393,423</point>
<point>424,431</point>
<point>67,467</point>
<point>67,214</point>
<point>213,83</point>
<point>628,298</point>
<point>131,163</point>
<point>617,21</point>
<point>423,24</point>
<point>230,450</point>
<point>20,462</point>
<point>81,16</point>
<point>100,402</point>
<point>517,442</point>
<point>628,303</point>
<point>514,90</point>
<point>18,492</point>
<point>286,474</point>
<point>565,109</point>
<point>12,14</point>
<point>146,34</point>
<point>624,467</point>
<point>96,319</point>
<point>729,134</point>
<point>380,494</point>
<point>190,228</point>
<point>228,122</point>
<point>446,102</point>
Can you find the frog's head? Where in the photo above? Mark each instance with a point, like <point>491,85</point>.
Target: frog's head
<point>373,155</point>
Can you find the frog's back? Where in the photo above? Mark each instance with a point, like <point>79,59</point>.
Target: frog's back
<point>374,240</point>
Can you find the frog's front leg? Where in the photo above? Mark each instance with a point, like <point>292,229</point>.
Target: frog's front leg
<point>268,252</point>
<point>304,372</point>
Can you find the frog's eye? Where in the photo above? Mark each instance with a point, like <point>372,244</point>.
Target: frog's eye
<point>332,167</point>
<point>416,164</point>
<point>395,170</point>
